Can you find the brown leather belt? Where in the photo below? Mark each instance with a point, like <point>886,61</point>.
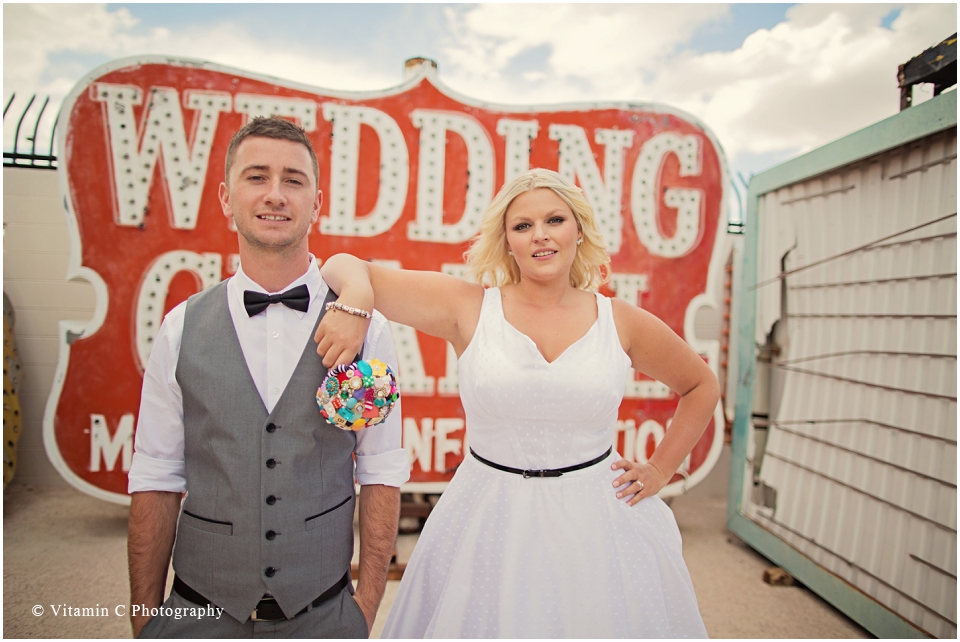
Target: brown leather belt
<point>267,609</point>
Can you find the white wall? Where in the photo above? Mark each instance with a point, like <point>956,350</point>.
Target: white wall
<point>35,253</point>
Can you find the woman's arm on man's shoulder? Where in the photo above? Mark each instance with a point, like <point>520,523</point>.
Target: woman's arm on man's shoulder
<point>437,304</point>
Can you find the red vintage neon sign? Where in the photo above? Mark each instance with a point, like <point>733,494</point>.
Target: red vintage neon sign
<point>406,174</point>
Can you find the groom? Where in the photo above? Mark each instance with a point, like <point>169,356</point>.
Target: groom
<point>228,415</point>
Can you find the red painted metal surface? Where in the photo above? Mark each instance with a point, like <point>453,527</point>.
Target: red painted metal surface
<point>140,179</point>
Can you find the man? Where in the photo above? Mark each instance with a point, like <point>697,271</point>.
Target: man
<point>228,415</point>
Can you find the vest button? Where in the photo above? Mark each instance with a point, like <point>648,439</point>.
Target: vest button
<point>271,535</point>
<point>269,571</point>
<point>271,427</point>
<point>271,463</point>
<point>271,500</point>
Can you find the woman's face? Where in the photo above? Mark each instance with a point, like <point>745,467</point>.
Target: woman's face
<point>542,233</point>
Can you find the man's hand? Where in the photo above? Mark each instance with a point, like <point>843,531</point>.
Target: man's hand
<point>379,516</point>
<point>340,336</point>
<point>369,603</point>
<point>153,524</point>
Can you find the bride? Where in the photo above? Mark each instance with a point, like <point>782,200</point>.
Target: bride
<point>543,531</point>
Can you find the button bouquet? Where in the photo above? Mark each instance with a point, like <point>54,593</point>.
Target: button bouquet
<point>358,395</point>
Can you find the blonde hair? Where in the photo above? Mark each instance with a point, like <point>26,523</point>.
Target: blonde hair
<point>487,259</point>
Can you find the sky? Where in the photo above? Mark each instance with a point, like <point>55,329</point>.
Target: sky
<point>770,80</point>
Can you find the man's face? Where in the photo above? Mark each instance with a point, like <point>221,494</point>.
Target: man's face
<point>271,196</point>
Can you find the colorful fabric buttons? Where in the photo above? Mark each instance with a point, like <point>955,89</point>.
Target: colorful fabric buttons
<point>358,395</point>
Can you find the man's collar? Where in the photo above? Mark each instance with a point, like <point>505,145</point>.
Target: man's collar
<point>311,278</point>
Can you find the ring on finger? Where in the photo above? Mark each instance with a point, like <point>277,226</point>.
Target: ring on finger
<point>640,484</point>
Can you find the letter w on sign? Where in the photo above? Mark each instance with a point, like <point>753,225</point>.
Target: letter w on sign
<point>407,174</point>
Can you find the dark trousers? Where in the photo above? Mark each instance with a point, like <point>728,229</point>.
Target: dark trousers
<point>338,617</point>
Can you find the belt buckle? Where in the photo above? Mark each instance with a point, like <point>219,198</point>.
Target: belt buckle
<point>254,617</point>
<point>527,474</point>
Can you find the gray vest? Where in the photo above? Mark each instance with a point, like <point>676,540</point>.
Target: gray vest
<point>270,497</point>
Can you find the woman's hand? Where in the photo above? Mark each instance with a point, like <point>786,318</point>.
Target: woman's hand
<point>638,481</point>
<point>340,336</point>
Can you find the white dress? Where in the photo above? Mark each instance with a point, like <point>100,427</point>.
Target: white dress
<point>506,557</point>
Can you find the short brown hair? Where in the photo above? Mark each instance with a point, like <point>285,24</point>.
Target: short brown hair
<point>272,127</point>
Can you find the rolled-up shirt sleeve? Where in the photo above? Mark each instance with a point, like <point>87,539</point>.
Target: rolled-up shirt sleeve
<point>380,457</point>
<point>158,446</point>
<point>158,460</point>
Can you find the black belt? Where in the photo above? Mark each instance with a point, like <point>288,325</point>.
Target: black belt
<point>549,472</point>
<point>267,610</point>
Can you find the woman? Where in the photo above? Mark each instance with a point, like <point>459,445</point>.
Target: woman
<point>543,531</point>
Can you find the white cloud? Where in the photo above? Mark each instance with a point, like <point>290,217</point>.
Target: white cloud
<point>32,32</point>
<point>596,46</point>
<point>825,71</point>
<point>583,38</point>
<point>39,37</point>
<point>35,34</point>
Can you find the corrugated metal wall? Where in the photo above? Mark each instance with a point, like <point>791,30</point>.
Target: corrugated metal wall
<point>860,463</point>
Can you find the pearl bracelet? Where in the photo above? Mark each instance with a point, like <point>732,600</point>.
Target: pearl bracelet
<point>357,312</point>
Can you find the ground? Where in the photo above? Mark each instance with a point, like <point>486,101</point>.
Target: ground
<point>62,548</point>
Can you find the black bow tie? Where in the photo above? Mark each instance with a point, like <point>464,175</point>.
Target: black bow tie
<point>297,298</point>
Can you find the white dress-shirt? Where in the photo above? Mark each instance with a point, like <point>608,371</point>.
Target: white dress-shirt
<point>272,343</point>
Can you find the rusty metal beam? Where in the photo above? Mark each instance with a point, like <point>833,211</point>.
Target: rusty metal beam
<point>937,65</point>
